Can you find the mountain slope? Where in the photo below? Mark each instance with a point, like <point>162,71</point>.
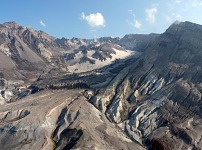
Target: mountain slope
<point>157,99</point>
<point>26,53</point>
<point>134,42</point>
<point>22,48</point>
<point>148,102</point>
<point>137,42</point>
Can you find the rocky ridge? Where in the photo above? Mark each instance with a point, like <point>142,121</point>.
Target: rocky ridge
<point>22,48</point>
<point>157,99</point>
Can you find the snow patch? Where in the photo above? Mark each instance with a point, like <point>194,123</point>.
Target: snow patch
<point>75,66</point>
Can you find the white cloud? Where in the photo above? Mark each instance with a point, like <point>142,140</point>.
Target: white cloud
<point>42,23</point>
<point>151,14</point>
<point>94,20</point>
<point>130,11</point>
<point>138,24</point>
<point>135,23</point>
<point>177,16</point>
<point>168,19</point>
<point>196,3</point>
<point>178,1</point>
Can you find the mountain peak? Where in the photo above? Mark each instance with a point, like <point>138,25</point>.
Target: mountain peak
<point>176,22</point>
<point>11,24</point>
<point>186,23</point>
<point>186,26</point>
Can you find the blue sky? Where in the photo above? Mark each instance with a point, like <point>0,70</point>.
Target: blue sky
<point>97,18</point>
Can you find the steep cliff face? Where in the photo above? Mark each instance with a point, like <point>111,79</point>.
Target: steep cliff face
<point>161,91</point>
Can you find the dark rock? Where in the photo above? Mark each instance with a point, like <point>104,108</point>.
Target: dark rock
<point>68,138</point>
